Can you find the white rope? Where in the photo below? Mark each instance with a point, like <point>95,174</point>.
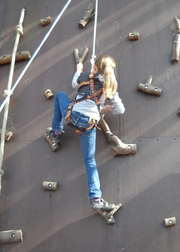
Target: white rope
<point>34,55</point>
<point>94,37</point>
<point>19,30</point>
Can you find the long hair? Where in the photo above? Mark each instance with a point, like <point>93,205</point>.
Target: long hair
<point>106,66</point>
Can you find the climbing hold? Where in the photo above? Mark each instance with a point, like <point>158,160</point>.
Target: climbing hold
<point>176,49</point>
<point>11,236</point>
<point>170,221</point>
<point>177,21</point>
<point>87,16</point>
<point>134,36</point>
<point>24,55</point>
<point>45,21</point>
<point>50,186</point>
<point>1,172</point>
<point>148,88</point>
<point>8,135</point>
<point>48,93</point>
<point>76,55</point>
<point>109,215</point>
<point>118,148</point>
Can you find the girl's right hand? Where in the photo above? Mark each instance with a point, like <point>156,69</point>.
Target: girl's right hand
<point>79,67</point>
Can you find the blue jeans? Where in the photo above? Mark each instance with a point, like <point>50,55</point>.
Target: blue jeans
<point>87,140</point>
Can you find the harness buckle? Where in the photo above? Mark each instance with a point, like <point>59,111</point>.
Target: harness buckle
<point>80,97</point>
<point>91,75</point>
<point>92,121</point>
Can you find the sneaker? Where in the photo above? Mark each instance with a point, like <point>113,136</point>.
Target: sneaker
<point>56,138</point>
<point>101,205</point>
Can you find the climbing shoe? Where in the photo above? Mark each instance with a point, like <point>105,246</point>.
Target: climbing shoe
<point>101,204</point>
<point>56,138</point>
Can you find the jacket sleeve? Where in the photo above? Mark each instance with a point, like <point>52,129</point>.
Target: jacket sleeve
<point>75,83</point>
<point>117,105</point>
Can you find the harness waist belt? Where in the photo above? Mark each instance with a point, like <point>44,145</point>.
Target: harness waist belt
<point>79,128</point>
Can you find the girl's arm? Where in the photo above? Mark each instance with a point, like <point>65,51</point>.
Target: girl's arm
<point>117,106</point>
<point>78,72</point>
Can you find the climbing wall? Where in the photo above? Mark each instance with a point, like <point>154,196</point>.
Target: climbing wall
<point>147,183</point>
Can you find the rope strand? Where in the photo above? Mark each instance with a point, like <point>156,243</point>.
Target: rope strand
<point>19,32</point>
<point>94,37</point>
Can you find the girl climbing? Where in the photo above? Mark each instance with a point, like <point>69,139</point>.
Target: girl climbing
<point>84,114</point>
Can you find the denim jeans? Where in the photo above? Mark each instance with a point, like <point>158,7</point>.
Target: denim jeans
<point>87,140</point>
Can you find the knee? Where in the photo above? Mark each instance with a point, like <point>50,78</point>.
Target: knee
<point>60,93</point>
<point>90,159</point>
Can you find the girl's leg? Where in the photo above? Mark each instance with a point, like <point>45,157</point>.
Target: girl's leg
<point>61,104</point>
<point>88,144</point>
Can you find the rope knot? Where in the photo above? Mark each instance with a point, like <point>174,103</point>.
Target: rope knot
<point>19,29</point>
<point>6,93</point>
<point>92,60</point>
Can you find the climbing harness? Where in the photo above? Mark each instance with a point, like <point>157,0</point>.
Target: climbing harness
<point>94,93</point>
<point>34,55</point>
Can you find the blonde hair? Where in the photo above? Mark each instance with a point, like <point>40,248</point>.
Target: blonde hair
<point>106,66</point>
